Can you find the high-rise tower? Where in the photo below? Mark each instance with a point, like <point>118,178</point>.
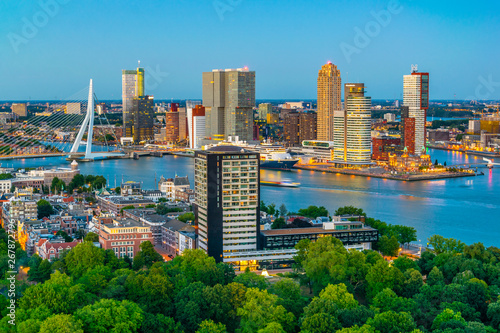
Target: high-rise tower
<point>352,127</point>
<point>416,98</point>
<point>226,180</point>
<point>229,98</point>
<point>132,87</point>
<point>329,99</point>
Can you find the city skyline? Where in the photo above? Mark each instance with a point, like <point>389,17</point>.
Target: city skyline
<point>378,61</point>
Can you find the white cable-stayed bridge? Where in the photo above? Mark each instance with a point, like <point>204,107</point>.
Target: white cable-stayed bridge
<point>50,135</point>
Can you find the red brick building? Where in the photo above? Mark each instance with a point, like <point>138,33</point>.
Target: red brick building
<point>124,236</point>
<point>380,145</point>
<point>51,251</point>
<point>409,135</point>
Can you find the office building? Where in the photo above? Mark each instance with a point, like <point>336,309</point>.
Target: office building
<point>132,87</point>
<point>390,117</point>
<point>124,236</point>
<point>139,123</point>
<point>352,127</point>
<point>407,130</point>
<point>196,125</point>
<point>264,110</point>
<point>227,201</point>
<point>299,126</point>
<point>172,124</point>
<point>74,108</point>
<point>382,146</point>
<point>416,98</point>
<point>229,98</point>
<point>329,99</point>
<point>474,126</point>
<point>20,109</point>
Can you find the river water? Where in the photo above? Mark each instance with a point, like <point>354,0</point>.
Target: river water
<point>464,208</point>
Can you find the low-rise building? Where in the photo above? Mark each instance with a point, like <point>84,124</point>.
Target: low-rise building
<point>170,185</point>
<point>114,204</point>
<point>169,236</point>
<point>50,251</point>
<point>124,236</point>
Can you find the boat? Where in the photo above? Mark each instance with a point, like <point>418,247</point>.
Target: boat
<point>275,157</point>
<point>283,183</point>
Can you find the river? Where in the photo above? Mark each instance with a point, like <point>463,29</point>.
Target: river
<point>464,208</point>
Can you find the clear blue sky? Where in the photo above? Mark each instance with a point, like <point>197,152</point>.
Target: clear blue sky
<point>285,42</point>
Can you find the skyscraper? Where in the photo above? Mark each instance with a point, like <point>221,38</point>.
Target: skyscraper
<point>264,109</point>
<point>416,98</point>
<point>229,98</point>
<point>140,122</point>
<point>132,87</point>
<point>196,125</point>
<point>227,209</point>
<point>329,99</point>
<point>352,127</point>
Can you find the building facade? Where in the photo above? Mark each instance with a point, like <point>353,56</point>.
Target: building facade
<point>20,109</point>
<point>229,98</point>
<point>124,237</point>
<point>139,123</point>
<point>352,127</point>
<point>329,99</point>
<point>416,98</point>
<point>227,201</point>
<point>264,110</point>
<point>132,87</point>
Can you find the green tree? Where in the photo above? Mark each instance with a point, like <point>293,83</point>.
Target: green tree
<point>154,323</point>
<point>350,210</point>
<point>278,223</point>
<point>108,315</point>
<point>442,245</point>
<point>44,209</point>
<point>252,280</point>
<point>91,237</point>
<point>381,276</point>
<point>313,212</point>
<point>404,263</point>
<point>83,257</point>
<point>273,327</point>
<point>147,256</point>
<point>435,277</point>
<point>446,316</point>
<point>283,210</point>
<point>189,216</point>
<point>388,246</point>
<point>404,234</point>
<point>320,323</point>
<point>209,326</point>
<point>61,323</point>
<point>64,235</point>
<point>392,322</point>
<point>271,209</point>
<point>260,309</point>
<point>387,300</point>
<point>289,296</point>
<point>493,314</point>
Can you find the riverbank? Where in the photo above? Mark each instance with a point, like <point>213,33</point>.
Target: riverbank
<point>470,152</point>
<point>401,177</point>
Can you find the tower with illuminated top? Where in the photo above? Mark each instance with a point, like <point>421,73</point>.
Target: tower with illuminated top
<point>329,99</point>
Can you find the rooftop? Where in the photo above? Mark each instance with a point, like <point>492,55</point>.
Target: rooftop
<point>313,230</point>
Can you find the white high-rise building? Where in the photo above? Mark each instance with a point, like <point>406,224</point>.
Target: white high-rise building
<point>196,123</point>
<point>416,98</point>
<point>352,127</point>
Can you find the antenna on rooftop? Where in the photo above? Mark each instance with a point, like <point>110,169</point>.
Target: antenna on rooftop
<point>139,63</point>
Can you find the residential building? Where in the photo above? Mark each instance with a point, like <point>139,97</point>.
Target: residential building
<point>352,127</point>
<point>50,251</point>
<point>273,118</point>
<point>169,235</point>
<point>124,236</point>
<point>439,134</point>
<point>114,204</point>
<point>291,129</point>
<point>229,98</point>
<point>64,174</point>
<point>416,98</point>
<point>390,117</point>
<point>150,218</point>
<point>20,109</point>
<point>264,110</point>
<point>74,108</point>
<point>186,239</point>
<point>170,185</point>
<point>130,188</point>
<point>5,185</point>
<point>329,99</point>
<point>227,201</point>
<point>474,126</point>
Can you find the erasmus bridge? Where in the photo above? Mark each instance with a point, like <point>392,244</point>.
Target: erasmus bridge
<point>48,134</point>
